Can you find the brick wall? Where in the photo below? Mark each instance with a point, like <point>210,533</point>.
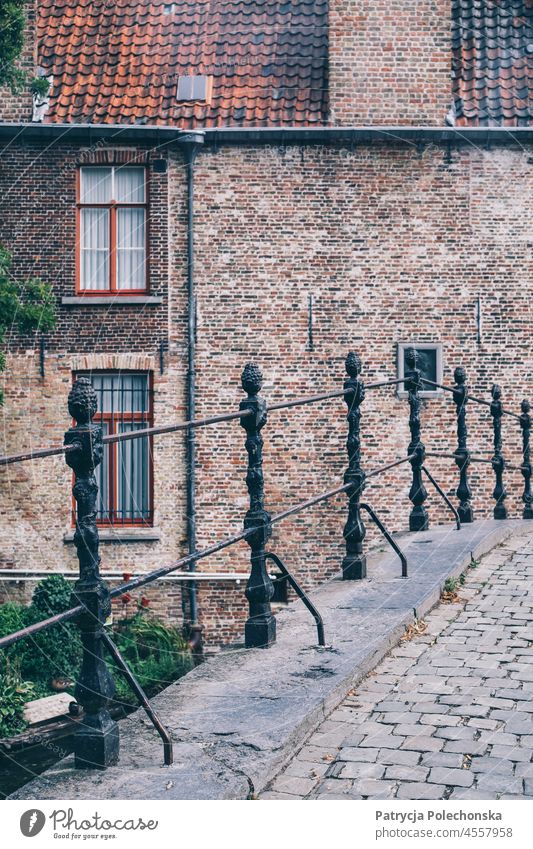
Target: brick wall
<point>395,244</point>
<point>38,223</point>
<point>389,62</point>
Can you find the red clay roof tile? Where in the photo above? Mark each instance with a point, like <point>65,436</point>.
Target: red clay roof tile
<point>492,44</point>
<point>119,62</point>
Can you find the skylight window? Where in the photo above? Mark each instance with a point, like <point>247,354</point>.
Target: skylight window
<point>195,88</point>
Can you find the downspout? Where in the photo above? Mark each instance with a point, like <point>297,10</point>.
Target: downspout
<point>191,143</point>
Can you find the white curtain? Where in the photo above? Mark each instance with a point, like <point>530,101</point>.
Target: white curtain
<point>96,185</point>
<point>133,483</point>
<point>102,479</point>
<point>130,248</point>
<point>129,185</point>
<point>121,395</point>
<point>94,246</point>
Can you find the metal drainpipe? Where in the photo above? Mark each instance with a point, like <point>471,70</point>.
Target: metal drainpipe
<point>190,143</point>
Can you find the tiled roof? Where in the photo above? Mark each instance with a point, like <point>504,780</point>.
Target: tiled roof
<point>119,61</point>
<point>493,62</point>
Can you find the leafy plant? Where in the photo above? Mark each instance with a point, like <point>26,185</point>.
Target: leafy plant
<point>13,617</point>
<point>156,653</point>
<point>39,87</point>
<point>24,306</point>
<point>54,652</point>
<point>14,693</point>
<point>51,595</point>
<point>450,585</point>
<point>12,21</point>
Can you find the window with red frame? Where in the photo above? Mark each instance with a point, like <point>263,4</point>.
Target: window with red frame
<point>112,229</point>
<point>125,475</point>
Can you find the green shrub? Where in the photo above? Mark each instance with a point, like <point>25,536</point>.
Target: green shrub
<point>25,306</point>
<point>54,652</point>
<point>13,617</point>
<point>14,693</point>
<point>156,653</point>
<point>51,595</point>
<point>12,21</point>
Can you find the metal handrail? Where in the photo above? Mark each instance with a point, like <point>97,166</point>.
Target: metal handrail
<point>469,397</point>
<point>395,547</point>
<point>286,575</point>
<point>195,423</point>
<point>149,577</point>
<point>473,459</point>
<point>168,754</point>
<point>443,496</point>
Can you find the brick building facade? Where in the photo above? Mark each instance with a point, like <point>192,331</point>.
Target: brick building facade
<point>385,191</point>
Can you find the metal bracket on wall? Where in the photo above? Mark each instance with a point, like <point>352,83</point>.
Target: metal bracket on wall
<point>163,346</point>
<point>42,354</point>
<point>310,341</point>
<point>301,594</point>
<point>479,320</point>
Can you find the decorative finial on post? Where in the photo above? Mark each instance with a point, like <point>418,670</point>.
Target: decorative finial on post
<point>525,424</point>
<point>462,454</point>
<point>260,629</point>
<point>418,519</point>
<point>498,462</point>
<point>96,741</point>
<point>354,563</point>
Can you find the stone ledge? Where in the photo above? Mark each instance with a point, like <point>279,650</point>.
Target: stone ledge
<point>239,718</point>
<point>122,535</point>
<point>110,300</point>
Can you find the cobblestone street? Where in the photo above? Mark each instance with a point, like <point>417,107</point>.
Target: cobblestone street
<point>449,713</point>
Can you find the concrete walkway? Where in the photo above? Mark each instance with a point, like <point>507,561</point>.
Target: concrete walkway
<point>240,717</point>
<point>449,713</point>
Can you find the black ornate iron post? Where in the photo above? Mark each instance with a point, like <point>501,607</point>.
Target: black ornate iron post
<point>462,454</point>
<point>525,424</point>
<point>418,518</point>
<point>96,742</point>
<point>354,563</point>
<point>498,462</point>
<point>260,629</point>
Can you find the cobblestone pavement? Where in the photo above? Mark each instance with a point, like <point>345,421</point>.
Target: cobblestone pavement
<point>446,715</point>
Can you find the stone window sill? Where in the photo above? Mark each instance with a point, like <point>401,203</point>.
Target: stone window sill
<point>122,535</point>
<point>110,300</point>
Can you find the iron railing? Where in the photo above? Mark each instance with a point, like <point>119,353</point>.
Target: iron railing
<point>96,742</point>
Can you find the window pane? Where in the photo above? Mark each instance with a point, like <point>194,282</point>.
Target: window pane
<point>119,396</point>
<point>121,393</point>
<point>94,244</point>
<point>102,479</point>
<point>129,185</point>
<point>132,472</point>
<point>130,249</point>
<point>140,393</point>
<point>95,185</point>
<point>103,385</point>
